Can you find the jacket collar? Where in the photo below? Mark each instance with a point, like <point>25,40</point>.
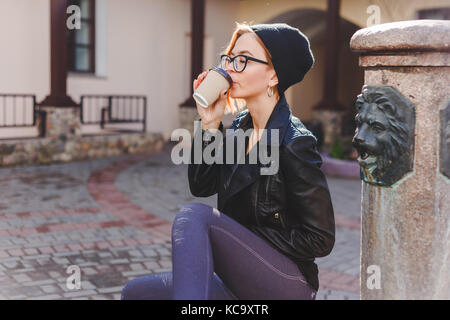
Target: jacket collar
<point>238,176</point>
<point>279,118</point>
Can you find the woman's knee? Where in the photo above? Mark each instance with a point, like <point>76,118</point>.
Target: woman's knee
<point>196,209</point>
<point>128,291</point>
<point>191,213</point>
<point>153,286</point>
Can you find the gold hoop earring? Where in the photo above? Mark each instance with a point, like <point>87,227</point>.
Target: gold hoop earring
<point>270,91</point>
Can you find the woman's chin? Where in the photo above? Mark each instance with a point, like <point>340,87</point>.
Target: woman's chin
<point>234,94</point>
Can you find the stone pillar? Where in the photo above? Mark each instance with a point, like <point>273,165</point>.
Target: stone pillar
<point>58,54</point>
<point>403,138</point>
<point>61,123</point>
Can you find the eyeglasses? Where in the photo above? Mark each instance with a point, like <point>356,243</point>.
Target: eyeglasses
<point>239,62</point>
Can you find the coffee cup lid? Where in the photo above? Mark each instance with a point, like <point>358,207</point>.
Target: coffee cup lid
<point>223,73</point>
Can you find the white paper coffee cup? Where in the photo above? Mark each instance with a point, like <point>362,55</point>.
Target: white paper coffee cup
<point>209,90</point>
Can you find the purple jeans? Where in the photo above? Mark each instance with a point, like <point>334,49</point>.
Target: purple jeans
<point>216,258</point>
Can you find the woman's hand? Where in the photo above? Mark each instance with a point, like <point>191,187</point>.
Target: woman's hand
<point>212,115</point>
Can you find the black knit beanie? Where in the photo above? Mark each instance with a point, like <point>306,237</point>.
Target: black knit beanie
<point>291,53</point>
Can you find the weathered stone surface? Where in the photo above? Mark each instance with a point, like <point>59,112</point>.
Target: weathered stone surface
<point>414,35</point>
<point>6,149</point>
<point>62,123</point>
<point>424,59</point>
<point>410,223</point>
<point>49,150</point>
<point>444,152</point>
<point>406,228</point>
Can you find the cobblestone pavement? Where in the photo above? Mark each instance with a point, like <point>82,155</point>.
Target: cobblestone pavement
<point>112,218</point>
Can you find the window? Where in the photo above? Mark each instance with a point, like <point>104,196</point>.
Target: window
<point>81,46</point>
<point>435,14</point>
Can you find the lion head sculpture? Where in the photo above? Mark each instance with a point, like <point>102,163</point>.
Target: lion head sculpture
<point>384,136</point>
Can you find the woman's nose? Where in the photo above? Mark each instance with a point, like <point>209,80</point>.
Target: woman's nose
<point>229,67</point>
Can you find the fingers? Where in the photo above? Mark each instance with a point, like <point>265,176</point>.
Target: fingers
<point>223,94</point>
<point>199,79</point>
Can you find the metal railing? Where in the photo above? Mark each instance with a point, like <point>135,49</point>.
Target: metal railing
<point>103,109</point>
<point>17,110</point>
<point>22,111</point>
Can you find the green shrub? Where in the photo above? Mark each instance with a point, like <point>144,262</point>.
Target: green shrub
<point>339,150</point>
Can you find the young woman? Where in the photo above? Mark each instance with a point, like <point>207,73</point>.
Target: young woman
<point>261,240</point>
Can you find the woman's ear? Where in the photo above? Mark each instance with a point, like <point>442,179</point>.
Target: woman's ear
<point>273,78</point>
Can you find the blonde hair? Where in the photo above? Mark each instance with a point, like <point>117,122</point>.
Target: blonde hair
<point>235,105</point>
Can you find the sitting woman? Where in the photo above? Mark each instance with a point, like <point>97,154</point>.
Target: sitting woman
<point>262,239</point>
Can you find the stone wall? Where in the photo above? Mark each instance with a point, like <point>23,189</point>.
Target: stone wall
<point>49,150</point>
<point>62,141</point>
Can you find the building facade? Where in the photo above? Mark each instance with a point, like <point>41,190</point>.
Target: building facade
<point>143,47</point>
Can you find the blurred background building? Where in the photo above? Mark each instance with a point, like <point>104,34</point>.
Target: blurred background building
<point>152,49</point>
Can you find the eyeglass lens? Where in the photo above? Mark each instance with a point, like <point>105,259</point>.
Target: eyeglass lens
<point>239,63</point>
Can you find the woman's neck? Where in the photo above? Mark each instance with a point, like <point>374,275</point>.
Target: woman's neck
<point>260,109</point>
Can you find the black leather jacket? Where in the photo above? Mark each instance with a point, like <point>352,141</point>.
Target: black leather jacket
<point>291,209</point>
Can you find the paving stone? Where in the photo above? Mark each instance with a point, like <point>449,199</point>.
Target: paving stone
<point>63,261</point>
<point>100,297</point>
<point>112,255</point>
<point>119,261</point>
<point>88,271</point>
<point>111,290</point>
<point>137,266</point>
<point>164,252</point>
<point>39,283</point>
<point>46,297</point>
<point>143,259</point>
<point>87,285</point>
<point>65,254</point>
<point>87,264</point>
<point>161,270</point>
<point>37,257</point>
<point>135,253</point>
<point>165,263</point>
<point>50,289</point>
<point>54,274</point>
<point>336,295</point>
<point>77,294</point>
<point>21,278</point>
<point>135,273</point>
<point>32,291</point>
<point>150,253</point>
<point>152,265</point>
<point>17,297</point>
<point>105,254</point>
